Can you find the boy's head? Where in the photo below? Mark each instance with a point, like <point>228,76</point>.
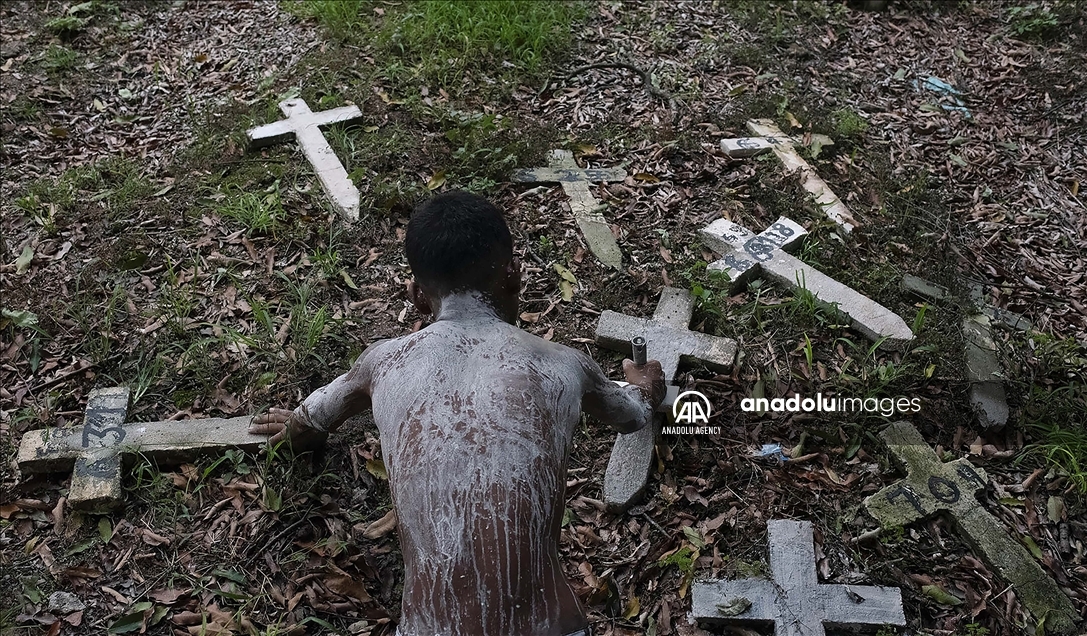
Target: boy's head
<point>459,242</point>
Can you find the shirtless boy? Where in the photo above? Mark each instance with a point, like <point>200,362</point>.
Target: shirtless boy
<point>476,419</point>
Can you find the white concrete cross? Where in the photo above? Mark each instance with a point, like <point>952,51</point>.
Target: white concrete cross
<point>932,486</point>
<point>95,452</point>
<point>305,125</point>
<point>793,600</point>
<point>669,340</point>
<point>575,180</point>
<point>770,137</point>
<point>745,254</point>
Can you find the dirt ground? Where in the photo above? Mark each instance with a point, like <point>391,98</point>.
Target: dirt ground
<point>144,246</point>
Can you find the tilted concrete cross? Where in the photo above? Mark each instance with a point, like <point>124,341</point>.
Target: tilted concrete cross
<point>95,452</point>
<point>931,487</point>
<point>562,169</point>
<point>793,600</point>
<point>669,340</point>
<point>770,137</point>
<point>305,125</point>
<point>745,254</point>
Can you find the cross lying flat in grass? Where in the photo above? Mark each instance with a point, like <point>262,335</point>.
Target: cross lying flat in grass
<point>96,451</point>
<point>305,125</point>
<point>793,600</point>
<point>575,181</point>
<point>745,254</point>
<point>932,487</point>
<point>770,137</point>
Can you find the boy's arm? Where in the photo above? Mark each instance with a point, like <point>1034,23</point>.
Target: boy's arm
<point>326,408</point>
<point>624,408</point>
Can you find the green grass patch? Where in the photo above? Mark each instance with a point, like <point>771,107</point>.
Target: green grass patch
<point>443,39</point>
<point>115,185</point>
<point>258,212</point>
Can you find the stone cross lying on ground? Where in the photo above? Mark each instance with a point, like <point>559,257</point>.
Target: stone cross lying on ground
<point>575,182</point>
<point>745,254</point>
<point>305,125</point>
<point>95,452</point>
<point>669,340</point>
<point>793,600</point>
<point>932,487</point>
<point>983,369</point>
<point>770,137</point>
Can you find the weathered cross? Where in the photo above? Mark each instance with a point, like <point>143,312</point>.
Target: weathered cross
<point>305,126</point>
<point>793,600</point>
<point>770,137</point>
<point>932,486</point>
<point>745,254</point>
<point>669,340</point>
<point>983,369</point>
<point>575,182</point>
<point>96,451</point>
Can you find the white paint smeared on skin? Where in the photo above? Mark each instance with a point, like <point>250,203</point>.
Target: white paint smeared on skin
<point>476,419</point>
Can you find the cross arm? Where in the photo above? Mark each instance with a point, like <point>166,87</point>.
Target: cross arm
<point>48,451</point>
<point>862,604</point>
<point>908,448</point>
<point>716,352</point>
<point>269,134</point>
<point>709,597</point>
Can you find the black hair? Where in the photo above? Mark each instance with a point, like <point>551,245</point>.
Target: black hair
<point>457,240</point>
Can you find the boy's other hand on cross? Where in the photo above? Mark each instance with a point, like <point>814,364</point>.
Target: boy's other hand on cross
<point>283,424</point>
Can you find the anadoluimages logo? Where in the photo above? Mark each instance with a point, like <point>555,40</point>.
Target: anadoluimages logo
<point>691,407</point>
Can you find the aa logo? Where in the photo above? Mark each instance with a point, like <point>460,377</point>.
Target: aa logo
<point>691,407</point>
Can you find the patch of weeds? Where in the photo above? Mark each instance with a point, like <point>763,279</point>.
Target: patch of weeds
<point>340,17</point>
<point>485,149</point>
<point>66,26</point>
<point>1032,20</point>
<point>1056,401</point>
<point>59,58</point>
<point>114,184</point>
<point>256,211</point>
<point>307,326</point>
<point>848,124</point>
<point>682,558</point>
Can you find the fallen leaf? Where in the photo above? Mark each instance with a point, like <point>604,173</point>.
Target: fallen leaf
<point>344,584</point>
<point>645,177</point>
<point>381,527</point>
<point>734,607</point>
<point>348,280</point>
<point>437,181</point>
<point>25,257</point>
<point>376,467</point>
<point>941,596</point>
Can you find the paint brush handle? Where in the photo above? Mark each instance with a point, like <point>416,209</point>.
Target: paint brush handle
<point>637,346</point>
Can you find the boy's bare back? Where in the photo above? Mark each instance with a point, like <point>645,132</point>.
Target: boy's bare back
<point>476,419</point>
